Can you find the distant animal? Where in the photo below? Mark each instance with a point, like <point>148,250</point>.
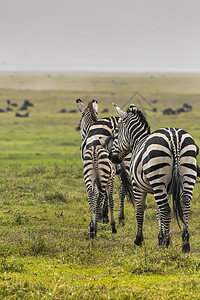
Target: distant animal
<point>168,111</point>
<point>105,110</point>
<point>78,128</point>
<point>163,163</point>
<point>185,108</point>
<point>63,111</point>
<point>26,115</point>
<point>72,111</point>
<point>8,109</point>
<point>26,104</point>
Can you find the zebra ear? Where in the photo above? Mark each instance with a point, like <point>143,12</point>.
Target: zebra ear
<point>95,105</point>
<point>80,105</point>
<point>120,112</point>
<point>132,108</point>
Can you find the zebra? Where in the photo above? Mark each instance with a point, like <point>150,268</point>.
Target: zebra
<point>163,163</point>
<point>96,131</point>
<point>99,171</point>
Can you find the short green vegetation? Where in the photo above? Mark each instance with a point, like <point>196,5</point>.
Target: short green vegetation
<point>45,249</point>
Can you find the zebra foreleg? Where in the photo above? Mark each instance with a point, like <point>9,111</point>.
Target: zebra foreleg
<point>141,205</point>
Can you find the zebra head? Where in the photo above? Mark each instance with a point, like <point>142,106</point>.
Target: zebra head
<point>132,128</point>
<point>121,145</point>
<point>89,115</point>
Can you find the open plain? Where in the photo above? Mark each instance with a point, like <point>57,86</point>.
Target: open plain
<point>45,249</point>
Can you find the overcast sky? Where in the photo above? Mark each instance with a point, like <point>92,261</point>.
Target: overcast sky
<point>128,35</point>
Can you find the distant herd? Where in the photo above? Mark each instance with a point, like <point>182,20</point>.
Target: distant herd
<point>10,105</point>
<point>186,107</point>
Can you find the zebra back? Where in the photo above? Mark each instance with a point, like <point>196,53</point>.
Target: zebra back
<point>101,129</point>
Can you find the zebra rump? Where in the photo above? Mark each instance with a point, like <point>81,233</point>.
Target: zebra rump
<point>99,177</point>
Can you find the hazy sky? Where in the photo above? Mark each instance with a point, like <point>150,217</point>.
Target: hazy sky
<point>128,35</point>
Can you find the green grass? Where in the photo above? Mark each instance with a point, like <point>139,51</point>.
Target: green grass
<point>45,249</point>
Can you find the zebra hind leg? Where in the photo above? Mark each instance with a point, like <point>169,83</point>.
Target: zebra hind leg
<point>91,203</point>
<point>161,233</point>
<point>141,205</point>
<point>185,241</point>
<point>105,210</point>
<point>165,219</point>
<point>92,230</point>
<point>185,235</point>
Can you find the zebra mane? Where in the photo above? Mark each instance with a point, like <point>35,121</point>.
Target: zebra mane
<point>93,113</point>
<point>141,117</point>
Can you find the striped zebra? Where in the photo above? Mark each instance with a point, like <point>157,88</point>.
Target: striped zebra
<point>163,163</point>
<point>96,131</point>
<point>99,171</point>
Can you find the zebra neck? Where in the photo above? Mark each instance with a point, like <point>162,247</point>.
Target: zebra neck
<point>138,144</point>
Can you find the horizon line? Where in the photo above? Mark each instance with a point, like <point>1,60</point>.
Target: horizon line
<point>102,70</point>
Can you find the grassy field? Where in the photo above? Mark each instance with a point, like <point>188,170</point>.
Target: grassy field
<point>45,249</point>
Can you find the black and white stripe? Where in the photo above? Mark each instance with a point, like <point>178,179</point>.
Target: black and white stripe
<point>163,163</point>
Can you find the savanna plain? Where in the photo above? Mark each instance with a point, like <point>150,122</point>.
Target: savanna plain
<point>45,248</point>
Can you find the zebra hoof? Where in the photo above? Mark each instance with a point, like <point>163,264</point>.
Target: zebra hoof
<point>167,242</point>
<point>160,242</point>
<point>186,248</point>
<point>105,220</point>
<point>186,243</point>
<point>121,220</point>
<point>114,230</point>
<point>92,235</point>
<point>138,240</point>
<point>160,239</point>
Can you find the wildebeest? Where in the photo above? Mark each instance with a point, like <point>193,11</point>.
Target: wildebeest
<point>26,115</point>
<point>26,104</point>
<point>185,108</point>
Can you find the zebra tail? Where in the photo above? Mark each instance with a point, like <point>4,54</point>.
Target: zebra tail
<point>176,186</point>
<point>198,171</point>
<point>126,183</point>
<point>97,180</point>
